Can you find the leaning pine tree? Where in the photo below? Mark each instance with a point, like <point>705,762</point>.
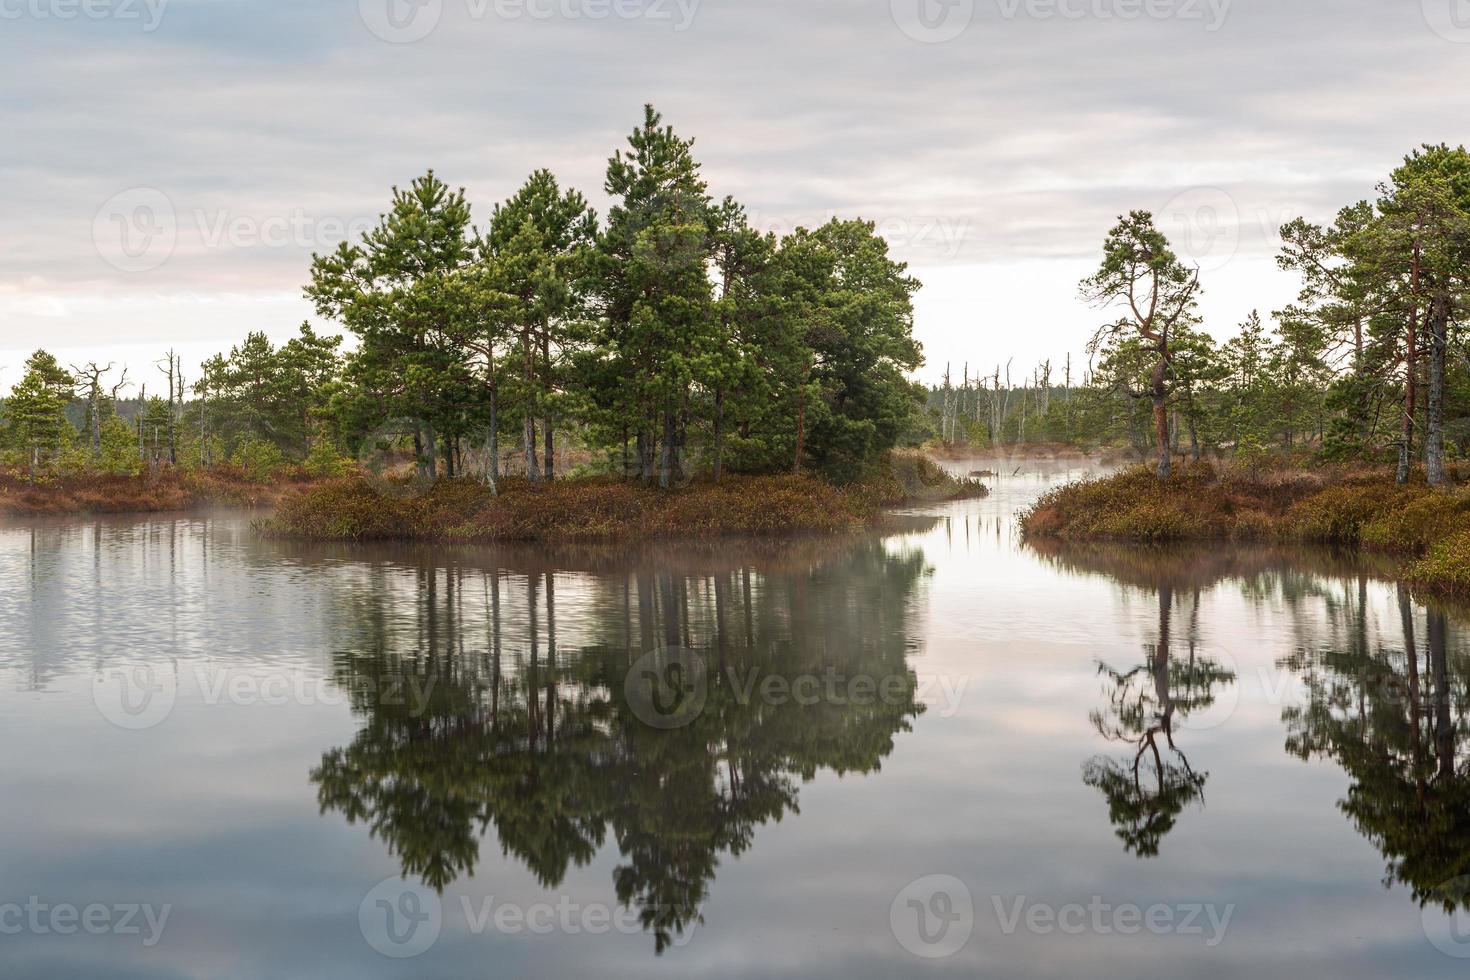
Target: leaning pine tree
<point>1142,277</point>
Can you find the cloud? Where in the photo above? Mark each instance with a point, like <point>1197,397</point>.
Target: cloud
<point>270,127</point>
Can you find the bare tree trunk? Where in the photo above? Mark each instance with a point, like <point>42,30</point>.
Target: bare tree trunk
<point>170,372</point>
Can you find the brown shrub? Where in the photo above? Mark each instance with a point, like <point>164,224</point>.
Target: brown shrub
<point>169,490</point>
<point>576,510</point>
<point>1446,568</point>
<point>1338,506</point>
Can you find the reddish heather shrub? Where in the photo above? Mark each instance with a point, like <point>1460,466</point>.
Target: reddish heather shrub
<point>171,489</point>
<point>591,509</point>
<point>1339,506</point>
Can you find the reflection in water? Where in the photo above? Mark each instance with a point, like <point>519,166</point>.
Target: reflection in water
<point>507,723</point>
<point>1147,793</point>
<point>1392,716</point>
<point>465,717</point>
<point>1385,701</point>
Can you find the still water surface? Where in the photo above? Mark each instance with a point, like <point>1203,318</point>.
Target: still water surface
<point>929,750</point>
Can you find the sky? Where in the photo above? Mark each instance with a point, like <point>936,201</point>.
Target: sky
<point>167,167</point>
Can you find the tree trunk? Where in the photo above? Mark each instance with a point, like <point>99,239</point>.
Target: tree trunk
<point>1439,316</point>
<point>800,435</point>
<point>96,422</point>
<point>647,442</point>
<point>666,451</point>
<point>681,434</point>
<point>1161,416</point>
<point>492,447</point>
<point>1411,381</point>
<point>528,442</point>
<point>550,460</point>
<point>528,419</point>
<point>1444,725</point>
<point>719,432</point>
<point>431,458</point>
<point>173,455</point>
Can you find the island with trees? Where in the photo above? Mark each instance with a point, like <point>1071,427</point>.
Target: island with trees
<point>1348,425</point>
<point>665,368</point>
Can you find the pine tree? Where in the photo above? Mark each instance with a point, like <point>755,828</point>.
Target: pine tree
<point>656,296</point>
<point>537,250</point>
<point>35,412</point>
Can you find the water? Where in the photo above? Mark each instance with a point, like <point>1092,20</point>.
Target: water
<point>908,752</point>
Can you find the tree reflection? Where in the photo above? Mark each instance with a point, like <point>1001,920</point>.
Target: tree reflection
<point>1149,787</point>
<point>1147,792</point>
<point>1386,701</point>
<point>1392,716</point>
<point>465,731</point>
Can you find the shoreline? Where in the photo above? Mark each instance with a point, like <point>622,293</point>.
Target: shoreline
<point>171,491</point>
<point>358,507</point>
<point>467,512</point>
<point>1426,531</point>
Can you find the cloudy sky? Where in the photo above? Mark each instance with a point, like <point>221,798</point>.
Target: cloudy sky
<point>170,165</point>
